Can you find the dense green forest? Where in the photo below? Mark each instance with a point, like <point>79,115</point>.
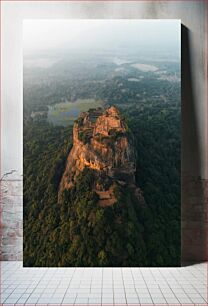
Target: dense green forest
<point>77,232</point>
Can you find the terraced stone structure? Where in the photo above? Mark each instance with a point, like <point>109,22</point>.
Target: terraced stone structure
<point>102,142</point>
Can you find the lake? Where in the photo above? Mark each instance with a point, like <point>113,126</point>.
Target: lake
<point>66,112</point>
<point>144,67</point>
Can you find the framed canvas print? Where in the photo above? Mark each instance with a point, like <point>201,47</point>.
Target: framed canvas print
<point>102,142</point>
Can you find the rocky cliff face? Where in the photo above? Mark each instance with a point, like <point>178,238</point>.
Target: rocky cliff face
<point>102,142</point>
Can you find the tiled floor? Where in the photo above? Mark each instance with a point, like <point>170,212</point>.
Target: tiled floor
<point>114,286</point>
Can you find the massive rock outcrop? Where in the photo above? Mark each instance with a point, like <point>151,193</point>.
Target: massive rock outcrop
<point>102,142</point>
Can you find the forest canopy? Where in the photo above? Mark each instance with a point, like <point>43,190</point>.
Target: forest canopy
<point>77,232</point>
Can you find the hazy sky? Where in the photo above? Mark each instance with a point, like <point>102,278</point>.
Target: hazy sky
<point>100,34</point>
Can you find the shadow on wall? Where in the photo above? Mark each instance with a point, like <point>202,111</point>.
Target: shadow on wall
<point>194,203</point>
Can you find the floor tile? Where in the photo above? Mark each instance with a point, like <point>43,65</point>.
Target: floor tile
<point>83,286</point>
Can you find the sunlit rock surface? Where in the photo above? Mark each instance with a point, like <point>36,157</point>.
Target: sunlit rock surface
<point>102,142</point>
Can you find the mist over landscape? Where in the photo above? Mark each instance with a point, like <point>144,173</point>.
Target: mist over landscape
<point>125,70</point>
